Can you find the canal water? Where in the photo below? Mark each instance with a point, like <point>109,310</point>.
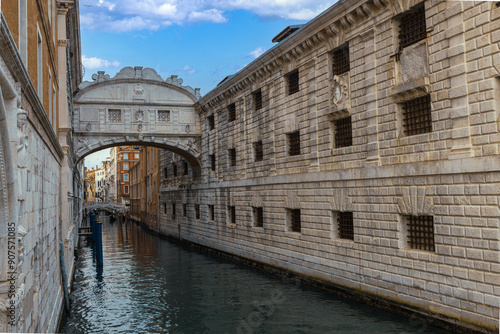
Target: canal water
<point>153,285</point>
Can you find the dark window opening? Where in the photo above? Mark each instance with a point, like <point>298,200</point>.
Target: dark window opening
<point>165,171</point>
<point>184,210</point>
<point>258,213</point>
<point>211,122</point>
<point>293,82</point>
<point>343,132</point>
<point>173,210</point>
<point>232,214</point>
<point>232,156</point>
<point>346,225</point>
<point>341,63</point>
<point>294,143</point>
<point>417,116</point>
<point>197,211</point>
<point>259,151</point>
<point>212,161</point>
<point>294,215</point>
<point>174,168</point>
<point>412,27</point>
<point>186,168</point>
<point>421,232</point>
<point>211,212</point>
<point>257,99</point>
<point>231,112</point>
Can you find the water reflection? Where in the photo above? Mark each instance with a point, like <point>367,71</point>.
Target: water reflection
<point>151,285</point>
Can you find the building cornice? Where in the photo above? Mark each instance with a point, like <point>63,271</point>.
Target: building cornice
<point>331,24</point>
<point>12,58</point>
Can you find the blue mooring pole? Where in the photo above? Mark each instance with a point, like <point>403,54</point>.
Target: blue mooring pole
<point>92,226</point>
<point>98,244</point>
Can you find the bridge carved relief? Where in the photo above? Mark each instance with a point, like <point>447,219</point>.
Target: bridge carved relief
<point>137,107</point>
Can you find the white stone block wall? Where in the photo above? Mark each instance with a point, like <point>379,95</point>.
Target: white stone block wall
<point>451,173</point>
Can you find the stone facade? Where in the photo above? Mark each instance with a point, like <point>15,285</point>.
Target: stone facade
<point>40,184</point>
<point>314,158</point>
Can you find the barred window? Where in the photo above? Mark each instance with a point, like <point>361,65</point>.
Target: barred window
<point>345,225</point>
<point>341,62</point>
<point>421,232</point>
<point>294,143</point>
<point>257,99</point>
<point>163,116</point>
<point>114,115</point>
<point>165,171</point>
<point>211,212</point>
<point>232,214</point>
<point>184,210</point>
<point>174,168</point>
<point>293,82</point>
<point>343,132</point>
<point>258,216</point>
<point>231,112</point>
<point>417,116</point>
<point>173,210</point>
<point>232,156</point>
<point>165,208</point>
<point>186,167</point>
<point>294,220</point>
<point>211,122</point>
<point>259,151</point>
<point>412,27</point>
<point>212,161</point>
<point>197,211</point>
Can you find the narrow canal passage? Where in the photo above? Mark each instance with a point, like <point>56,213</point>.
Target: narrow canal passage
<point>152,285</point>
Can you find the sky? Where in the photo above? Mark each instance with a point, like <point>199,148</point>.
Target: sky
<point>201,41</point>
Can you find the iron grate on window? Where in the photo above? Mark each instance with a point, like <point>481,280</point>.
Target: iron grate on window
<point>295,220</point>
<point>114,115</point>
<point>232,156</point>
<point>257,98</point>
<point>186,167</point>
<point>294,143</point>
<point>211,122</point>
<point>259,151</point>
<point>231,112</point>
<point>197,211</point>
<point>259,216</point>
<point>174,168</point>
<point>232,214</point>
<point>412,27</point>
<point>165,171</point>
<point>345,225</point>
<point>293,82</point>
<point>212,162</point>
<point>173,210</point>
<point>341,62</point>
<point>417,116</point>
<point>211,212</point>
<point>184,210</point>
<point>343,132</point>
<point>421,232</point>
<point>163,116</point>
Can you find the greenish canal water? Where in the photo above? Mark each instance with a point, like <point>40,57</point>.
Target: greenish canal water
<point>153,285</point>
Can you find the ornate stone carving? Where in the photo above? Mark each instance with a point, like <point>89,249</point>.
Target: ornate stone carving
<point>188,128</point>
<point>139,127</point>
<point>88,127</point>
<point>139,90</point>
<point>139,116</point>
<point>22,157</point>
<point>339,89</point>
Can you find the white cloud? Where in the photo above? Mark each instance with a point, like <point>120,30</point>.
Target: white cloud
<point>188,69</point>
<point>257,52</point>
<point>134,15</point>
<point>93,63</point>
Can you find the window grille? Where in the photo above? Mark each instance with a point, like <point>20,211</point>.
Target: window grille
<point>294,143</point>
<point>114,115</point>
<point>343,132</point>
<point>163,116</point>
<point>259,151</point>
<point>184,210</point>
<point>417,116</point>
<point>211,212</point>
<point>293,82</point>
<point>232,156</point>
<point>197,211</point>
<point>257,99</point>
<point>232,214</point>
<point>412,27</point>
<point>294,220</point>
<point>174,168</point>
<point>421,232</point>
<point>173,210</point>
<point>346,225</point>
<point>186,167</point>
<point>165,208</point>
<point>231,112</point>
<point>212,161</point>
<point>258,213</point>
<point>341,63</point>
<point>211,122</point>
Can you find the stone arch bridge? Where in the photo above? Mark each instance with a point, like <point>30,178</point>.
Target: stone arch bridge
<point>137,107</point>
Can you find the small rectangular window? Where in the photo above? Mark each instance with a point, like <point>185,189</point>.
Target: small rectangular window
<point>341,62</point>
<point>212,161</point>
<point>211,122</point>
<point>258,216</point>
<point>412,27</point>
<point>184,210</point>
<point>257,99</point>
<point>259,151</point>
<point>125,156</point>
<point>163,116</point>
<point>345,225</point>
<point>165,172</point>
<point>136,156</point>
<point>211,212</point>
<point>126,190</point>
<point>294,143</point>
<point>174,168</point>
<point>165,208</point>
<point>185,168</point>
<point>125,177</point>
<point>421,232</point>
<point>232,156</point>
<point>293,82</point>
<point>114,115</point>
<point>294,223</point>
<point>343,132</point>
<point>173,210</point>
<point>232,215</point>
<point>417,116</point>
<point>231,112</point>
<point>125,166</point>
<point>197,211</point>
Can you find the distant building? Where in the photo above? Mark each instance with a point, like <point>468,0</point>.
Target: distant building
<point>90,185</point>
<point>126,158</point>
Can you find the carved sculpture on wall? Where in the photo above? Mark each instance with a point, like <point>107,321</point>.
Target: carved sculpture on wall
<point>339,93</point>
<point>139,115</point>
<point>22,158</point>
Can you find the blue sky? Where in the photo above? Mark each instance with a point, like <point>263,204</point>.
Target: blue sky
<point>201,41</point>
